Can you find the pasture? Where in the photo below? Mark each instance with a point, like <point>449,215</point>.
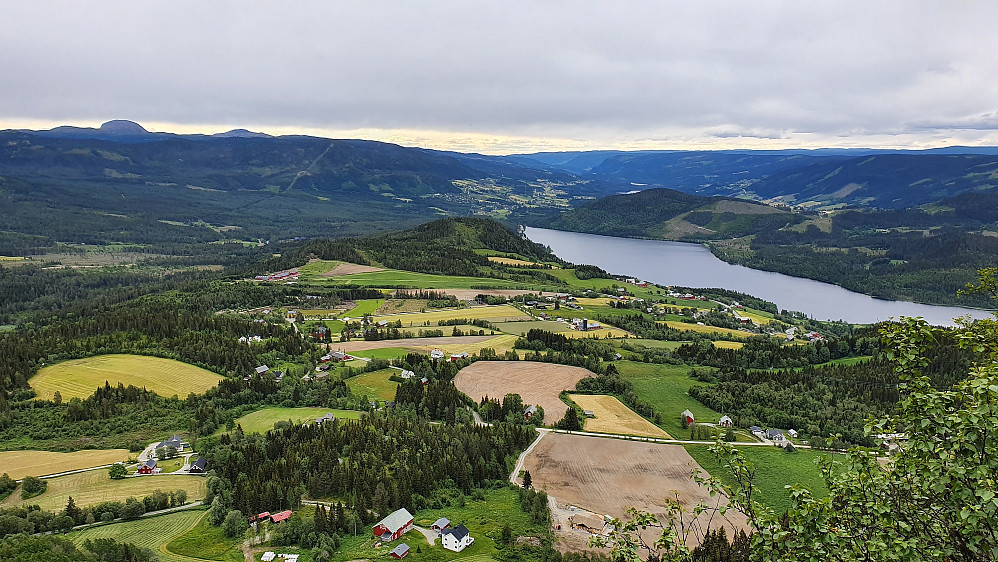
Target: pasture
<point>152,532</point>
<point>79,378</point>
<point>501,313</point>
<point>774,470</point>
<point>375,385</point>
<point>406,343</point>
<point>18,464</point>
<point>96,486</point>
<point>263,420</point>
<point>536,383</point>
<point>666,388</point>
<point>609,476</point>
<point>612,416</point>
<point>205,542</point>
<point>725,344</point>
<point>367,306</point>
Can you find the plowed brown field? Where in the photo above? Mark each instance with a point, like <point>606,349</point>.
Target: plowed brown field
<point>536,383</point>
<point>608,476</point>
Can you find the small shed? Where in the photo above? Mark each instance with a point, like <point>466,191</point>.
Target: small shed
<point>400,551</point>
<point>688,416</point>
<point>440,524</point>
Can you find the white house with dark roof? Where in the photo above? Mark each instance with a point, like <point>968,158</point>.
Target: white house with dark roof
<point>456,539</point>
<point>774,435</point>
<point>328,416</point>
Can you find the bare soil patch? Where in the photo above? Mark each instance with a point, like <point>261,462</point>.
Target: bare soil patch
<point>608,476</point>
<point>350,268</point>
<point>536,383</point>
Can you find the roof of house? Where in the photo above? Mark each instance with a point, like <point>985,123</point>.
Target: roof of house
<point>200,464</point>
<point>151,463</point>
<point>278,517</point>
<point>687,413</point>
<point>458,532</point>
<point>530,409</point>
<point>398,519</point>
<point>773,433</point>
<point>401,550</point>
<point>441,523</point>
<point>755,428</point>
<point>725,418</point>
<point>262,369</point>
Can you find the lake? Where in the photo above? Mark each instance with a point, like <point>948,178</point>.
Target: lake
<point>692,265</point>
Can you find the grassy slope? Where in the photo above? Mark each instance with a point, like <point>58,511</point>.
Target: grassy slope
<point>206,542</point>
<point>665,387</point>
<point>264,420</point>
<point>775,470</point>
<point>398,278</point>
<point>152,532</point>
<point>374,384</point>
<point>80,377</point>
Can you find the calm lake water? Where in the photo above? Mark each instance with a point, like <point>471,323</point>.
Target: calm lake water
<point>692,265</point>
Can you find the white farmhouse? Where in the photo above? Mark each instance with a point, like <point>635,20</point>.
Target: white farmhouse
<point>456,539</point>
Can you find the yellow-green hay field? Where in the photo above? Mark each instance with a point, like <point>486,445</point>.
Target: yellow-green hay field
<point>18,464</point>
<point>502,313</point>
<point>706,329</point>
<point>722,344</point>
<point>612,416</point>
<point>263,420</point>
<point>96,486</point>
<point>153,533</point>
<point>375,385</point>
<point>500,344</point>
<point>78,378</point>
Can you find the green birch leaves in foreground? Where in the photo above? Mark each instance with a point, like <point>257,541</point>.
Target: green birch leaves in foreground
<point>936,498</point>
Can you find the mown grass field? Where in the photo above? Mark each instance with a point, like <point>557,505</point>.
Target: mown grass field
<point>665,387</point>
<point>521,328</point>
<point>512,261</point>
<point>263,420</point>
<point>383,353</point>
<point>205,542</point>
<point>79,378</point>
<point>18,464</point>
<point>724,344</point>
<point>367,306</point>
<point>612,416</point>
<point>375,385</point>
<point>775,470</point>
<point>152,532</point>
<point>638,343</point>
<point>500,344</point>
<point>501,313</point>
<point>95,486</point>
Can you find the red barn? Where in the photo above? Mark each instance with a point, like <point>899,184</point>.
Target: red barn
<point>688,416</point>
<point>148,468</point>
<point>278,517</point>
<point>394,526</point>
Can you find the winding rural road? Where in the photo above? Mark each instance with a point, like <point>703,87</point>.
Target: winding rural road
<point>541,432</point>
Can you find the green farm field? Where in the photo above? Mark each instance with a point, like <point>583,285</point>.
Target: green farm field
<point>79,378</point>
<point>491,313</point>
<point>665,387</point>
<point>96,486</point>
<point>151,532</point>
<point>367,306</point>
<point>375,385</point>
<point>18,464</point>
<point>263,420</point>
<point>394,278</point>
<point>775,469</point>
<point>204,542</point>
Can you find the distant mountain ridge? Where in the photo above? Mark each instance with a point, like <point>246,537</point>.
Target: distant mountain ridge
<point>123,130</point>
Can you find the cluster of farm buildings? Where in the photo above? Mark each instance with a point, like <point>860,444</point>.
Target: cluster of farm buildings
<point>400,522</point>
<point>286,276</point>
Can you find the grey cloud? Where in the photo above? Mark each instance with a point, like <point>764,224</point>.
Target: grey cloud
<point>580,70</point>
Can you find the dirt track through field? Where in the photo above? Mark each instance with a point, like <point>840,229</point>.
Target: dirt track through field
<point>608,476</point>
<point>536,383</point>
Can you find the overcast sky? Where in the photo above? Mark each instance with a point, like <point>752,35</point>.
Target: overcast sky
<point>510,76</point>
